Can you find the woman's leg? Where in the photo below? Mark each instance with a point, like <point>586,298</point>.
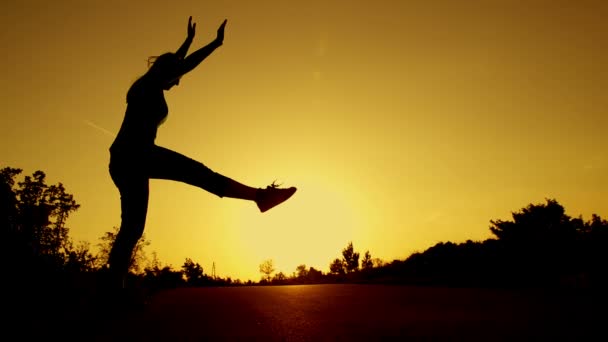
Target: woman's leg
<point>163,163</point>
<point>134,192</point>
<point>167,164</point>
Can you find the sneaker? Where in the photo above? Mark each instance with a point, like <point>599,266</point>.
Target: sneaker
<point>272,196</point>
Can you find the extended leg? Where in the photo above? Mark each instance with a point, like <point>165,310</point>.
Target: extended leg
<point>163,163</point>
<point>166,164</point>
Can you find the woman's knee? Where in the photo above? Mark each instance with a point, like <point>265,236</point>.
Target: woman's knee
<point>131,230</point>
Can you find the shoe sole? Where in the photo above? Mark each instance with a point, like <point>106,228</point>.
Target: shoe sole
<point>263,210</point>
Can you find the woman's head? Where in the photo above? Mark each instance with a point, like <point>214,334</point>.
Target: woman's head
<point>165,69</point>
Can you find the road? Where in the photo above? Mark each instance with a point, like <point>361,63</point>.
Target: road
<point>356,312</point>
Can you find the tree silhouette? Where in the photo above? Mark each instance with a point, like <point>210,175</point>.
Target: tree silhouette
<point>8,203</point>
<point>541,246</point>
<point>594,250</point>
<point>539,243</point>
<point>279,278</point>
<point>366,263</point>
<point>266,268</point>
<point>44,210</point>
<point>80,258</point>
<point>301,271</point>
<point>193,272</point>
<point>33,218</point>
<point>14,241</point>
<point>351,258</point>
<point>158,276</point>
<point>337,267</point>
<point>314,275</point>
<point>535,223</point>
<point>44,270</point>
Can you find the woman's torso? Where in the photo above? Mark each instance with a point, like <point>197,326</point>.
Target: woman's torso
<point>146,110</point>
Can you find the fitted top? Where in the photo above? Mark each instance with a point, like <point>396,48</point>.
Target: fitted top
<point>146,110</point>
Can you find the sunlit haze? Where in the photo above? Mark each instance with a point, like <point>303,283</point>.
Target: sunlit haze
<point>402,123</point>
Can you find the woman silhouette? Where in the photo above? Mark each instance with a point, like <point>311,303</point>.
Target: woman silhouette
<point>135,159</point>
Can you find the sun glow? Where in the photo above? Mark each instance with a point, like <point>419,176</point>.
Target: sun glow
<point>310,228</point>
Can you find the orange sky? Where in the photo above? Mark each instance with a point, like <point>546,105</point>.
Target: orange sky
<point>402,123</point>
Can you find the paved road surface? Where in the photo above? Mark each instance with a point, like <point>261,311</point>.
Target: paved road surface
<point>355,312</point>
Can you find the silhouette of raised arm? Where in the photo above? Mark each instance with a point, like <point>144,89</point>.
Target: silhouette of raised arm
<point>183,50</point>
<point>195,58</point>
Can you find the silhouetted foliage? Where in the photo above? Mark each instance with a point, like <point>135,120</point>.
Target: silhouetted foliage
<point>314,275</point>
<point>336,267</point>
<point>544,245</point>
<point>302,275</point>
<point>540,246</point>
<point>160,277</point>
<point>348,264</point>
<point>301,272</point>
<point>43,269</point>
<point>366,263</point>
<point>138,258</point>
<point>267,268</point>
<point>80,258</point>
<point>50,279</point>
<point>8,204</point>
<point>279,278</point>
<point>194,273</point>
<point>351,258</point>
<point>35,238</point>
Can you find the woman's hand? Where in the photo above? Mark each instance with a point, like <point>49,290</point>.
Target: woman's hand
<point>220,33</point>
<point>191,28</point>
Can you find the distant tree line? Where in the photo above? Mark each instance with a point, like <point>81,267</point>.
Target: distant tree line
<point>540,246</point>
<point>345,269</point>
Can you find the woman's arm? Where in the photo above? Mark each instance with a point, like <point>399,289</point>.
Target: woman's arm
<point>183,50</point>
<point>195,58</point>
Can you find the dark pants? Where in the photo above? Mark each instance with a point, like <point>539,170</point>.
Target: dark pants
<point>131,170</point>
